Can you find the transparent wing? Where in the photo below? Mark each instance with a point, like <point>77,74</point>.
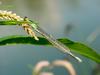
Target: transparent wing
<point>57,43</point>
<point>52,40</point>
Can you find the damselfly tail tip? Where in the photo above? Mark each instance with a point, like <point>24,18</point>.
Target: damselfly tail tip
<point>79,60</point>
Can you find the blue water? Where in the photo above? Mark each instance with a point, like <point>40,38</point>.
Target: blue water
<point>53,16</point>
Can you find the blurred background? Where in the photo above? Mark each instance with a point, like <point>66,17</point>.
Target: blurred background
<point>78,20</point>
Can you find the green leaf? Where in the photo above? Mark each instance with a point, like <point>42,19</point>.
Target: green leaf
<point>74,46</point>
<point>9,22</point>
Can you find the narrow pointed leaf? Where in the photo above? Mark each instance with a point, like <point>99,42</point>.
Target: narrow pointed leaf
<point>74,46</point>
<point>9,22</point>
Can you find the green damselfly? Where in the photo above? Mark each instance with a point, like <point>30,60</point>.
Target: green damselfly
<point>52,40</point>
<point>28,25</point>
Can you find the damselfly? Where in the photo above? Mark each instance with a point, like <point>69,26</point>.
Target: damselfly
<point>28,25</point>
<point>52,40</point>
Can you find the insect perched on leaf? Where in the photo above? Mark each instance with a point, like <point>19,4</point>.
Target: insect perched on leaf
<point>29,26</point>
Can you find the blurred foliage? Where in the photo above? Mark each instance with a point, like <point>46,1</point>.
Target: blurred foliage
<point>7,5</point>
<point>74,46</point>
<point>96,70</point>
